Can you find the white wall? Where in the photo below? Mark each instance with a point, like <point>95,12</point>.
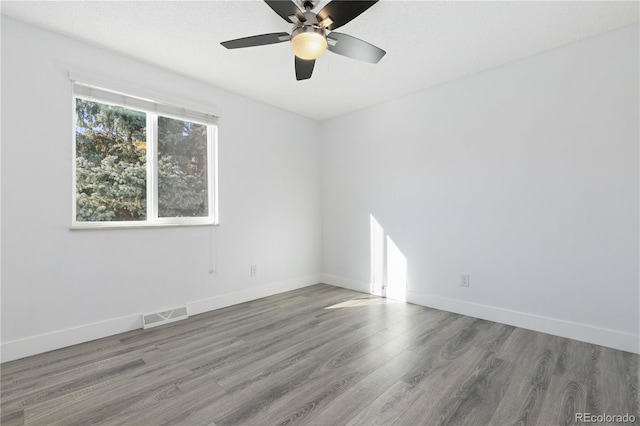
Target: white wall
<point>524,176</point>
<point>60,287</point>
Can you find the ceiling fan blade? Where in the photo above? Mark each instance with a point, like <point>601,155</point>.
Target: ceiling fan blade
<point>355,48</point>
<point>285,8</point>
<point>343,11</point>
<point>304,68</point>
<point>257,40</point>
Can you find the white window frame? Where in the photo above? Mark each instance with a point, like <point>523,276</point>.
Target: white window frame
<point>150,108</point>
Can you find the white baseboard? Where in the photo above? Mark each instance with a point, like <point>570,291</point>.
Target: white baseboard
<point>46,342</point>
<point>346,283</point>
<point>578,331</point>
<point>33,345</point>
<point>229,299</point>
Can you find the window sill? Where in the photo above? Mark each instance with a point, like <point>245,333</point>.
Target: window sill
<point>134,225</point>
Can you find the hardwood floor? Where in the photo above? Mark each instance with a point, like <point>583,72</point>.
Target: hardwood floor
<point>322,355</point>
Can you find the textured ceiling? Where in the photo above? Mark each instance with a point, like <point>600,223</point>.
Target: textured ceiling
<point>427,42</point>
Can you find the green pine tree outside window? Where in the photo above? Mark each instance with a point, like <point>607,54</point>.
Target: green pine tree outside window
<point>111,165</point>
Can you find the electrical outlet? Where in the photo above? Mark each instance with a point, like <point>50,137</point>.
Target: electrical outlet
<point>464,280</point>
<point>254,270</point>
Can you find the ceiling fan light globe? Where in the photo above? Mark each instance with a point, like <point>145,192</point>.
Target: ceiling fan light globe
<point>308,43</point>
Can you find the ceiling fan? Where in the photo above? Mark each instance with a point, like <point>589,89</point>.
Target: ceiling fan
<point>313,33</point>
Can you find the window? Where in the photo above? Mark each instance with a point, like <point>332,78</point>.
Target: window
<point>141,163</point>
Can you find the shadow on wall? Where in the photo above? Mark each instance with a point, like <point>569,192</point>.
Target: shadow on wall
<point>388,265</point>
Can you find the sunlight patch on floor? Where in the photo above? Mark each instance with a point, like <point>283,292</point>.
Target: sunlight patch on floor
<point>370,301</point>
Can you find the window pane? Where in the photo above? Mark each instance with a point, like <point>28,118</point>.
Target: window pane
<point>111,177</point>
<point>182,168</point>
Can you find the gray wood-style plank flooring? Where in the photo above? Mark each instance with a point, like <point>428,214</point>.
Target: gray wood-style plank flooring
<point>322,355</point>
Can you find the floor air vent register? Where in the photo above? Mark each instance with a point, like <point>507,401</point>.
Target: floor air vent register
<point>154,319</point>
